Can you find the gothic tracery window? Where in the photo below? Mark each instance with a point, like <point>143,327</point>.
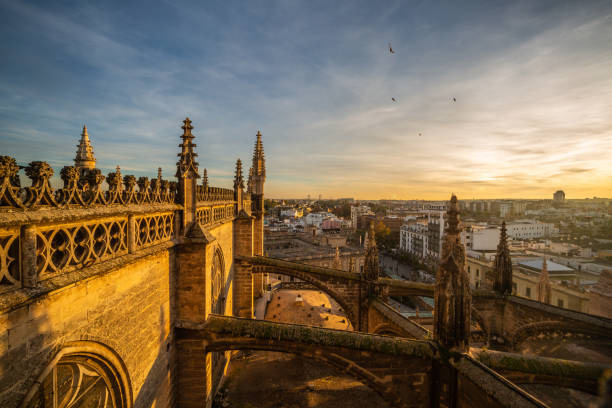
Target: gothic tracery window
<point>217,283</point>
<point>78,381</point>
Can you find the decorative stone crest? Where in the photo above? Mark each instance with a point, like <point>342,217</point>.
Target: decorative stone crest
<point>40,192</point>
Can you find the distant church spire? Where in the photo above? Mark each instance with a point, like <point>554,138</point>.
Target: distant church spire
<point>503,265</point>
<point>544,288</point>
<point>85,156</point>
<point>452,295</point>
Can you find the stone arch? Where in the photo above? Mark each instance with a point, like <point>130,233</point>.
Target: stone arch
<point>386,329</point>
<point>85,363</point>
<point>526,331</point>
<point>336,361</point>
<point>351,314</point>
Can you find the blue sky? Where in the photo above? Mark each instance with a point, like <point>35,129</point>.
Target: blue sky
<point>532,82</point>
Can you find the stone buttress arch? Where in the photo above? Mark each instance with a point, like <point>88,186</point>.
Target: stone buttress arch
<point>526,331</point>
<point>338,362</point>
<point>351,314</point>
<point>386,329</point>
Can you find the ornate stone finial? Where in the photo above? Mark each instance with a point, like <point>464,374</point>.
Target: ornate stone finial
<point>84,156</point>
<point>452,296</point>
<point>205,179</point>
<point>238,180</point>
<point>544,288</point>
<point>187,166</point>
<point>159,173</point>
<point>114,180</point>
<point>371,267</point>
<point>40,192</point>
<point>503,265</point>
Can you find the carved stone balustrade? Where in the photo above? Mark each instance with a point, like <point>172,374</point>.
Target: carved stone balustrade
<point>82,189</point>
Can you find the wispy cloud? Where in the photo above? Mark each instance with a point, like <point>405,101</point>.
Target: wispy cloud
<point>531,81</point>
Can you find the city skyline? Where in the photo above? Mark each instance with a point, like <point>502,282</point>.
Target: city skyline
<point>531,83</point>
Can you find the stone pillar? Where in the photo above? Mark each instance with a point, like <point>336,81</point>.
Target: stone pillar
<point>131,234</point>
<point>260,280</point>
<point>187,188</point>
<point>193,259</point>
<point>194,379</point>
<point>27,255</point>
<point>243,278</point>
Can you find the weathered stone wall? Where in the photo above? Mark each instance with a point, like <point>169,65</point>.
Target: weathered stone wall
<point>127,308</point>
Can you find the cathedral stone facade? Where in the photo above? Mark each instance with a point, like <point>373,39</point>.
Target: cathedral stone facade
<point>95,278</point>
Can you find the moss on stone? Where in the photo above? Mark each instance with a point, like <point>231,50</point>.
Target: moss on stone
<point>540,365</point>
<point>265,330</point>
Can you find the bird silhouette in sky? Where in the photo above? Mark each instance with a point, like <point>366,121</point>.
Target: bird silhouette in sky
<point>420,134</point>
<point>391,49</point>
<point>393,99</point>
<point>454,99</point>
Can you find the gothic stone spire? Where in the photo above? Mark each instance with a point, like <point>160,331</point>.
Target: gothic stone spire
<point>452,289</point>
<point>205,179</point>
<point>259,162</point>
<point>544,288</point>
<point>503,265</point>
<point>84,156</point>
<point>371,267</point>
<point>250,181</point>
<point>238,180</point>
<point>257,178</point>
<point>258,168</point>
<point>187,166</point>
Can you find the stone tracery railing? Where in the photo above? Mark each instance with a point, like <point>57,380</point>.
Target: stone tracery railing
<point>213,213</point>
<point>80,190</point>
<point>66,247</point>
<point>206,193</point>
<point>46,232</point>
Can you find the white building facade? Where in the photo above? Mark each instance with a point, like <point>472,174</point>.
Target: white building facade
<point>414,239</point>
<point>530,229</point>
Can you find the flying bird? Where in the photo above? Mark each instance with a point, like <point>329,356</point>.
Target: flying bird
<point>454,99</point>
<point>419,134</point>
<point>393,99</point>
<point>391,49</point>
